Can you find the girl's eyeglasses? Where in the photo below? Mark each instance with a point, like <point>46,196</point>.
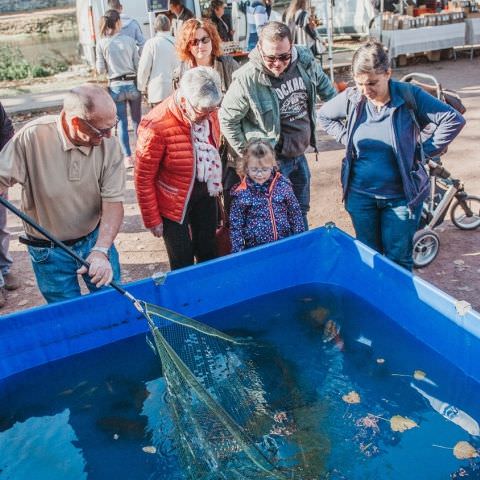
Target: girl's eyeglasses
<point>262,170</point>
<point>197,41</point>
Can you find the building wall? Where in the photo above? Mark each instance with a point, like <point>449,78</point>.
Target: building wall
<point>7,6</point>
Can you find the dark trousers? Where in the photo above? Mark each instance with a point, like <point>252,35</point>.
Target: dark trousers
<point>195,237</point>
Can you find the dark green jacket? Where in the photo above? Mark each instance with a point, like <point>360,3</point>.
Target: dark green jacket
<point>250,108</point>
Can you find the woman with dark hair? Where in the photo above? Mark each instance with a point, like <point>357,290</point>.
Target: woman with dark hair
<point>199,44</point>
<point>117,55</point>
<point>220,20</point>
<point>383,177</point>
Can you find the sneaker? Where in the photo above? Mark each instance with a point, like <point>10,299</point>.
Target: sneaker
<point>3,297</point>
<point>129,162</point>
<point>11,281</point>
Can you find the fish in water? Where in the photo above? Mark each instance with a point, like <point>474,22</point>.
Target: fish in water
<point>450,412</point>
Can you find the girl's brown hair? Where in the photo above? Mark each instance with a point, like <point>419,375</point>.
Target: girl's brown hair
<point>187,34</point>
<point>108,22</point>
<point>261,150</point>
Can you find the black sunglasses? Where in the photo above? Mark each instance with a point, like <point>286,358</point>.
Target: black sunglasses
<point>197,41</point>
<point>283,57</point>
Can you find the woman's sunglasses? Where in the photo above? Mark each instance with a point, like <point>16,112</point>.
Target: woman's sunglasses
<point>197,41</point>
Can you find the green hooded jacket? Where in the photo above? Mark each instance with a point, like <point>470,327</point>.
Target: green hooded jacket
<point>250,108</point>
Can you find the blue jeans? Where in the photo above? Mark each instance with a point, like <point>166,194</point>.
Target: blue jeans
<point>252,41</point>
<point>123,94</point>
<point>55,270</point>
<point>297,171</point>
<point>384,225</point>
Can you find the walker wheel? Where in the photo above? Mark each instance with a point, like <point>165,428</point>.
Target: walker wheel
<point>465,213</point>
<point>426,244</point>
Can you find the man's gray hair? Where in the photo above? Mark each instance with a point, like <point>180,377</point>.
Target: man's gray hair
<point>81,101</point>
<point>275,32</point>
<point>162,23</point>
<point>201,87</point>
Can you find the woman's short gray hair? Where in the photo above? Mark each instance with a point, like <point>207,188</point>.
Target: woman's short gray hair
<point>370,57</point>
<point>201,87</point>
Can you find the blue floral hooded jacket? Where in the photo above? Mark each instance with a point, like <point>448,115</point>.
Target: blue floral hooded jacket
<point>263,213</point>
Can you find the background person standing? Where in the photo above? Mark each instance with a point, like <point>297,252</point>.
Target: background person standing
<point>157,63</point>
<point>8,280</point>
<point>117,55</point>
<point>130,26</point>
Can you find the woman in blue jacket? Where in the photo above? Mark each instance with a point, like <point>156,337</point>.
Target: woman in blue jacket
<point>383,179</point>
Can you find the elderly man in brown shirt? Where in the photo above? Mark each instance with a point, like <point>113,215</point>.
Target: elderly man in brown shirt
<point>73,182</point>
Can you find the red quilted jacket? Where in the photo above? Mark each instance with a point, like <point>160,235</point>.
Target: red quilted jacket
<point>165,165</point>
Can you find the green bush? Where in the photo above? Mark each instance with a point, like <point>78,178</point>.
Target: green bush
<point>14,66</point>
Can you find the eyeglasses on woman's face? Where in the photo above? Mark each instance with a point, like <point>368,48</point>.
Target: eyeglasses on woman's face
<point>197,41</point>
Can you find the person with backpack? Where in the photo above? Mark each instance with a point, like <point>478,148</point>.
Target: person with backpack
<point>383,175</point>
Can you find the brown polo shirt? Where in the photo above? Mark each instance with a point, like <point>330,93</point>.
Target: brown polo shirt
<point>63,184</point>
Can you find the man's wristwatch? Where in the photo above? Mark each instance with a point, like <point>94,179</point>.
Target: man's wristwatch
<point>103,250</point>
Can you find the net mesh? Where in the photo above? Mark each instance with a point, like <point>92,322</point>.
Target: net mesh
<point>217,400</point>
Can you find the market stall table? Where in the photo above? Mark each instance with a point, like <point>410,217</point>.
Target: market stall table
<point>424,39</point>
<point>472,31</point>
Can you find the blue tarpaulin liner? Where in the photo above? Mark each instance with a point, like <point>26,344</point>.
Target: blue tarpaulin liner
<point>322,256</point>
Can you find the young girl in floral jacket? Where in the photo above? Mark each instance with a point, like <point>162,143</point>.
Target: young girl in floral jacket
<point>264,207</point>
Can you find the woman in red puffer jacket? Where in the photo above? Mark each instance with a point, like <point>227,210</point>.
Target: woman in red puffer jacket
<point>178,170</point>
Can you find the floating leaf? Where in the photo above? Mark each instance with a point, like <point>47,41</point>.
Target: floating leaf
<point>400,424</point>
<point>464,450</point>
<point>419,375</point>
<point>151,449</point>
<point>351,397</point>
<point>462,307</point>
<point>319,314</point>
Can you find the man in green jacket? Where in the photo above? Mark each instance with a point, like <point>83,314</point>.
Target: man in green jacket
<point>273,97</point>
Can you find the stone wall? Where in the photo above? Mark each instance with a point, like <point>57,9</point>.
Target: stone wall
<point>9,6</point>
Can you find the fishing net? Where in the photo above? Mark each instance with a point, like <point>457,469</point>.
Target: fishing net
<point>217,400</point>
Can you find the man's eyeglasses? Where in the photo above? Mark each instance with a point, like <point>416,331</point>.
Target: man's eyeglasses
<point>283,57</point>
<point>197,41</point>
<point>257,170</point>
<point>101,132</point>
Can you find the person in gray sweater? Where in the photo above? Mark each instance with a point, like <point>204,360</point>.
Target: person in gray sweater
<point>117,55</point>
<point>130,26</point>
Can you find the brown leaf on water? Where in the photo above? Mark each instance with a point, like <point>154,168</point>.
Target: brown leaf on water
<point>319,314</point>
<point>351,397</point>
<point>400,424</point>
<point>463,450</point>
<point>419,375</point>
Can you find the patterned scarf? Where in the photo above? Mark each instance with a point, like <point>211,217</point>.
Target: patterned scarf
<point>209,165</point>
